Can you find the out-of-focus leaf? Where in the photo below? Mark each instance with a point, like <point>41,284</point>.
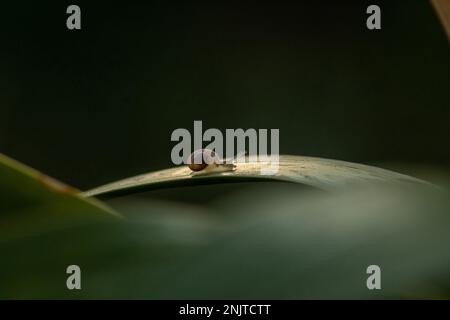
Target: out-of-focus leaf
<point>443,10</point>
<point>45,226</point>
<point>306,246</point>
<point>33,202</point>
<point>321,173</point>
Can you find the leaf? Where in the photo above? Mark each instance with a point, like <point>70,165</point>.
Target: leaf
<point>46,226</point>
<point>32,206</point>
<point>29,199</point>
<point>317,172</point>
<point>442,8</point>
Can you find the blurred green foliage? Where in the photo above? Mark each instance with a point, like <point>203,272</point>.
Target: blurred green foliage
<point>265,243</point>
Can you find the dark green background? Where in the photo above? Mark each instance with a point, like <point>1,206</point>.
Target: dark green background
<point>100,104</point>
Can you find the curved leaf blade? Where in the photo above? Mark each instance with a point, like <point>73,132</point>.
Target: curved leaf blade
<point>321,173</point>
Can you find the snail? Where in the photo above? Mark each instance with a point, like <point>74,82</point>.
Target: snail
<point>206,160</point>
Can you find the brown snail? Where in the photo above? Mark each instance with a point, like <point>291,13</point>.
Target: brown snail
<point>207,160</point>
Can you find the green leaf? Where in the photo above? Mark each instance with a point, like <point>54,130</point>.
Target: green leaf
<point>29,199</point>
<point>45,226</point>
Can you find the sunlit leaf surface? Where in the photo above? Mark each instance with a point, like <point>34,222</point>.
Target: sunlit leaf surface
<point>321,173</point>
